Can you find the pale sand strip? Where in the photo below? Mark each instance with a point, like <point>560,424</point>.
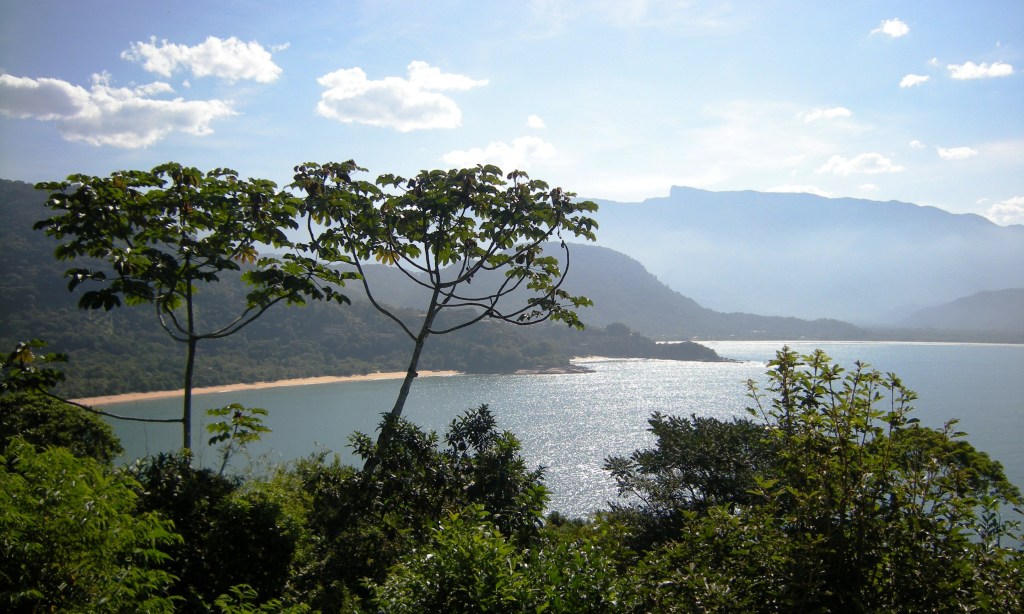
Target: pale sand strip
<point>304,381</point>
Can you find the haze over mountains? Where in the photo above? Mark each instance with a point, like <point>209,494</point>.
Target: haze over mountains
<point>807,256</point>
<point>753,261</point>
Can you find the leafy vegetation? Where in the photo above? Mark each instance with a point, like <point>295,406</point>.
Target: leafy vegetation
<point>829,498</point>
<point>161,235</point>
<point>73,539</point>
<point>121,350</point>
<point>471,239</point>
<point>858,509</point>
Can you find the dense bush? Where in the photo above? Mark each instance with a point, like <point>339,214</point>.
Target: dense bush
<point>467,565</point>
<point>71,538</point>
<point>44,422</point>
<point>698,463</point>
<point>862,510</point>
<point>231,536</point>
<point>364,523</point>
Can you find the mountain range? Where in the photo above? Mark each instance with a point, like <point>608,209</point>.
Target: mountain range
<point>121,351</point>
<point>863,261</point>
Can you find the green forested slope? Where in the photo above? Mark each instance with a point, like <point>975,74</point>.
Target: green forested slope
<point>125,350</point>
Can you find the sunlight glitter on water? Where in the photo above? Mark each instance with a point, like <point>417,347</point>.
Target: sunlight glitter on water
<point>571,423</point>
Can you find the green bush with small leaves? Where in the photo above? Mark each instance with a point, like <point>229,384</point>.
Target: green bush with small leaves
<point>71,539</point>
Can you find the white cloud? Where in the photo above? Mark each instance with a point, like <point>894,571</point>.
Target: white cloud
<point>866,164</point>
<point>892,27</point>
<point>154,89</point>
<point>867,187</point>
<point>970,70</point>
<point>833,113</point>
<point>105,115</point>
<point>916,144</point>
<point>1010,211</point>
<point>912,80</point>
<point>228,59</point>
<point>393,102</point>
<point>535,121</point>
<point>800,189</point>
<point>956,153</point>
<point>517,155</point>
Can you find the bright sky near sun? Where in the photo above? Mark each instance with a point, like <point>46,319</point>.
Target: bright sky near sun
<point>915,101</point>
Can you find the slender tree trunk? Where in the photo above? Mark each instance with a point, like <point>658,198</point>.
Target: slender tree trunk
<point>396,412</point>
<point>410,375</point>
<point>190,366</point>
<point>186,410</point>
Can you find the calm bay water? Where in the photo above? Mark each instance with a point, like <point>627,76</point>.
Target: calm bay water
<point>571,423</point>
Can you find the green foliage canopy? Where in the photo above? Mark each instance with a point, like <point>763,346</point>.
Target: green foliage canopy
<point>861,509</point>
<point>71,538</point>
<point>471,239</point>
<point>157,236</point>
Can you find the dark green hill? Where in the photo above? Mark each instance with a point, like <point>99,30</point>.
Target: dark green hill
<point>124,350</point>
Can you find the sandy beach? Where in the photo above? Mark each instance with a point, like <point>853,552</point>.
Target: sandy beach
<point>305,381</point>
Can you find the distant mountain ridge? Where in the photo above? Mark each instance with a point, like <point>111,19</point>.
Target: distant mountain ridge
<point>808,256</point>
<point>989,310</point>
<point>624,292</point>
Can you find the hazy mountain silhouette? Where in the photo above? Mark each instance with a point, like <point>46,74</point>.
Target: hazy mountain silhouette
<point>1001,310</point>
<point>808,256</point>
<point>623,291</point>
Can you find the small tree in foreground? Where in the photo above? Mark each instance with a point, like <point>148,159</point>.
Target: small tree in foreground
<point>469,239</point>
<point>158,236</point>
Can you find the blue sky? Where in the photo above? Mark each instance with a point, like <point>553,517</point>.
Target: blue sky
<point>915,101</point>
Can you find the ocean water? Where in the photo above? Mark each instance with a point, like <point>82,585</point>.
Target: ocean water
<point>570,423</point>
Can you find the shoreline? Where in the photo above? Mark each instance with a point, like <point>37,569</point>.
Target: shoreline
<point>301,381</point>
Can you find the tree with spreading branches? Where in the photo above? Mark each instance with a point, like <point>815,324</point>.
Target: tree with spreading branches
<point>156,237</point>
<point>471,240</point>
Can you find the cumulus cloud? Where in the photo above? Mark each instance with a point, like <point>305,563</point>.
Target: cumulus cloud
<point>106,115</point>
<point>970,70</point>
<point>412,103</point>
<point>956,153</point>
<point>517,155</point>
<point>864,164</point>
<point>535,121</point>
<point>1010,211</point>
<point>892,27</point>
<point>800,189</point>
<point>228,59</point>
<point>832,113</point>
<point>912,80</point>
<point>916,144</point>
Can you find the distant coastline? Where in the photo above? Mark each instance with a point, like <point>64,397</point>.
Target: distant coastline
<point>303,381</point>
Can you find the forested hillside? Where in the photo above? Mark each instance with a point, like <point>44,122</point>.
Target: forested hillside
<point>124,350</point>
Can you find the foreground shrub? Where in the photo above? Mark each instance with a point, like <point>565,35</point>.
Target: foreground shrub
<point>359,524</point>
<point>231,536</point>
<point>44,421</point>
<point>467,565</point>
<point>862,510</point>
<point>70,538</point>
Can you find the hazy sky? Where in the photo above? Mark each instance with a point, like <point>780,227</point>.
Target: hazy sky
<point>914,101</point>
